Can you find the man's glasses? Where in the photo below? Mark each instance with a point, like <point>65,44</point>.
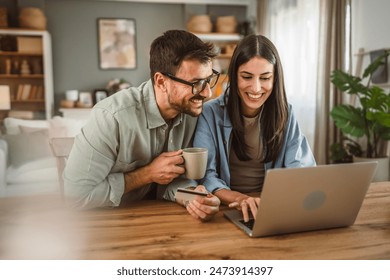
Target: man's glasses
<point>200,85</point>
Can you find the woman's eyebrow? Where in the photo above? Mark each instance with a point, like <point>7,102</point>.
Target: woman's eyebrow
<point>249,73</point>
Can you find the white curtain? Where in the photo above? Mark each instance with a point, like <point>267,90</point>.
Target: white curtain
<point>293,26</point>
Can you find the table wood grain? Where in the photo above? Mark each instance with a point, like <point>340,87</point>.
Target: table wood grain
<point>41,227</point>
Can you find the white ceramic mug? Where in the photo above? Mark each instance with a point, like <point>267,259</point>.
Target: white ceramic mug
<point>195,162</point>
<point>72,95</point>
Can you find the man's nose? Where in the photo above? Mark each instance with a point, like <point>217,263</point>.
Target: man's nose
<point>206,93</point>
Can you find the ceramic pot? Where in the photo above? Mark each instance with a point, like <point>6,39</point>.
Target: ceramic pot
<point>226,24</point>
<point>32,18</point>
<point>200,24</point>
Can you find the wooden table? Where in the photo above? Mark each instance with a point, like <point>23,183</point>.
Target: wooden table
<point>41,228</point>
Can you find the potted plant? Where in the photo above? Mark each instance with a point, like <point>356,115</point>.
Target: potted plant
<point>343,152</point>
<point>369,119</point>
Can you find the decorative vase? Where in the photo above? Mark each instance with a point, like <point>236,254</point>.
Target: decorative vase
<point>226,24</point>
<point>200,24</point>
<point>382,170</point>
<point>32,18</point>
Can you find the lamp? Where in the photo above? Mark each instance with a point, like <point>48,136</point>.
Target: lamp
<point>5,99</point>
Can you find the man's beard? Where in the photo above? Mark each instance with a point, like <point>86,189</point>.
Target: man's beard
<point>186,108</point>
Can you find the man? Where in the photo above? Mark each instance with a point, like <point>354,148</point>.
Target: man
<point>130,149</point>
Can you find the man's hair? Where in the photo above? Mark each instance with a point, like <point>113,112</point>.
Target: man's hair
<point>168,51</point>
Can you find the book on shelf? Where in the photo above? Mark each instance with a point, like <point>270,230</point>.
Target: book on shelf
<point>33,92</point>
<point>29,92</point>
<point>40,94</point>
<point>19,92</point>
<point>26,92</point>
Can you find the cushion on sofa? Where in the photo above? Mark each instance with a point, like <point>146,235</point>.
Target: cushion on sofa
<point>12,125</point>
<point>65,127</point>
<point>28,140</point>
<point>40,170</point>
<point>30,164</point>
<point>27,147</point>
<point>57,126</point>
<point>28,129</point>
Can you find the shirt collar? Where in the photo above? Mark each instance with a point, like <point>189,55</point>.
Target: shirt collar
<point>226,120</point>
<point>152,112</point>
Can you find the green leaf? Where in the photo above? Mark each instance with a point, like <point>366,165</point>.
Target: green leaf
<point>347,83</point>
<point>380,117</point>
<point>349,120</point>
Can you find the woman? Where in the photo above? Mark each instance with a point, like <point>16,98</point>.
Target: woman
<point>250,128</point>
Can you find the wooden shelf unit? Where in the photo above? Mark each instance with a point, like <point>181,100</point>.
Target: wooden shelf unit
<point>40,77</point>
<point>222,41</point>
<point>219,37</point>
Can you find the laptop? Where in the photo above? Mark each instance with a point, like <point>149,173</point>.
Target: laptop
<point>308,198</point>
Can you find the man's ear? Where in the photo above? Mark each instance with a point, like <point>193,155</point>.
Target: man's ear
<point>160,81</point>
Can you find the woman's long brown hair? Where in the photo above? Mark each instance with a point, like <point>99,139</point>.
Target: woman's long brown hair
<point>274,116</point>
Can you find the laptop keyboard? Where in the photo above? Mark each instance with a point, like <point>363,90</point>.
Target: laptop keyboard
<point>249,224</point>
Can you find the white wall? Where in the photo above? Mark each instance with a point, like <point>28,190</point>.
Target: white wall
<point>370,26</point>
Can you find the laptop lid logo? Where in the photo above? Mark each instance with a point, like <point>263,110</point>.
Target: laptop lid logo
<point>314,200</point>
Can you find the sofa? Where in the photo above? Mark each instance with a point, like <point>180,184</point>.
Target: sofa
<point>27,165</point>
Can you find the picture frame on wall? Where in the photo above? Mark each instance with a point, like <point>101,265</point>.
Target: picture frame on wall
<point>99,95</point>
<point>117,43</point>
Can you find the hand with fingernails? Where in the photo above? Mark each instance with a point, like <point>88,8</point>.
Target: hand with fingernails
<point>245,204</point>
<point>203,208</point>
